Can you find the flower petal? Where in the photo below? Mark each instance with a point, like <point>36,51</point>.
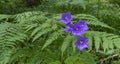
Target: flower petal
<point>66,17</point>
<point>81,43</point>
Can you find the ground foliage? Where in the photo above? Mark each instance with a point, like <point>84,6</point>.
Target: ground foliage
<point>32,34</point>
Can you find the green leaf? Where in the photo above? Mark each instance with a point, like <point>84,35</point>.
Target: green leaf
<point>36,30</point>
<point>91,20</point>
<point>97,43</point>
<point>52,37</point>
<point>105,44</point>
<point>38,35</point>
<point>66,43</point>
<point>85,58</point>
<point>90,42</point>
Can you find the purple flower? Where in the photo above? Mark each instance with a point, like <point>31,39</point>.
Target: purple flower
<point>81,43</point>
<point>79,27</point>
<point>68,27</point>
<point>66,17</point>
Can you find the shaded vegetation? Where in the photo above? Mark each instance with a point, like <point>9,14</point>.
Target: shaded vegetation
<point>30,32</point>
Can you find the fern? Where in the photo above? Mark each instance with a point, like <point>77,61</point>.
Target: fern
<point>10,38</point>
<point>69,5</point>
<point>29,17</point>
<point>92,20</point>
<point>37,37</point>
<point>52,37</point>
<point>106,39</point>
<point>30,31</point>
<point>43,29</point>
<point>66,43</point>
<point>80,58</point>
<point>4,17</point>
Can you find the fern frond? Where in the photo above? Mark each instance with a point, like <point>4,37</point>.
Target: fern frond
<point>37,29</point>
<point>66,43</point>
<point>85,58</point>
<point>30,27</point>
<point>53,37</point>
<point>5,55</point>
<point>11,36</point>
<point>106,39</point>
<point>91,20</point>
<point>97,41</point>
<point>4,17</point>
<point>42,32</point>
<point>30,17</point>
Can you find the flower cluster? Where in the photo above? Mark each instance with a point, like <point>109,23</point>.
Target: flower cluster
<point>76,29</point>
